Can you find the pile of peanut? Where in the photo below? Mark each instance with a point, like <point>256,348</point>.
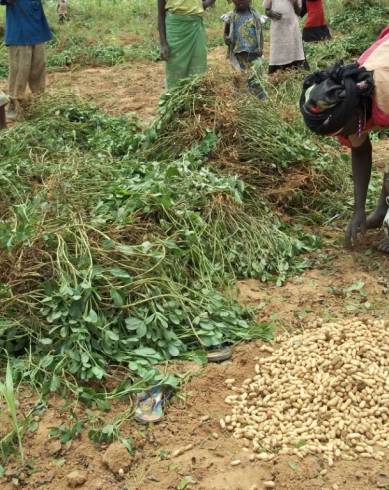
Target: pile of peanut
<point>324,391</point>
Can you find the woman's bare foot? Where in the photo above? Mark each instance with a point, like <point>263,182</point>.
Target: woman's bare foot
<point>383,246</point>
<point>376,218</point>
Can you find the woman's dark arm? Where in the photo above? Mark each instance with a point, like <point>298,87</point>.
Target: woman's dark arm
<point>162,29</point>
<point>227,40</point>
<point>273,15</point>
<point>361,166</point>
<point>208,3</point>
<point>3,122</point>
<point>297,8</point>
<point>304,9</point>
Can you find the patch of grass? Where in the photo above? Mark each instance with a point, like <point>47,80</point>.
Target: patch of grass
<point>356,25</point>
<point>7,391</point>
<point>109,32</point>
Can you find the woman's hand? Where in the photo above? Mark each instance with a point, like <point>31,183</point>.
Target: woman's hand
<point>356,225</point>
<point>273,14</point>
<point>165,52</point>
<point>208,3</point>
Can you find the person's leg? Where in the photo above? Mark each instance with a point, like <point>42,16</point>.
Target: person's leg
<point>275,68</point>
<point>298,64</point>
<point>383,246</point>
<point>177,62</point>
<point>198,55</point>
<point>37,78</point>
<point>3,123</point>
<point>3,103</point>
<point>19,71</point>
<point>375,219</point>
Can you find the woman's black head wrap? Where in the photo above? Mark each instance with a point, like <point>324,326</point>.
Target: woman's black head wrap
<point>330,97</point>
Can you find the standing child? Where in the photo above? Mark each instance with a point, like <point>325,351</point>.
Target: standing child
<point>26,31</point>
<point>286,44</point>
<point>182,38</point>
<point>62,9</point>
<point>244,38</point>
<point>315,27</point>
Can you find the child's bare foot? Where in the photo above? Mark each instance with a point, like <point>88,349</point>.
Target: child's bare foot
<point>383,246</point>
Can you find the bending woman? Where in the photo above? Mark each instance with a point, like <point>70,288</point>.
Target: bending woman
<point>349,101</point>
<point>182,38</point>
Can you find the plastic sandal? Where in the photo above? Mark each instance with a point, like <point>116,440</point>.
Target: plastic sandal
<point>219,353</point>
<point>150,404</point>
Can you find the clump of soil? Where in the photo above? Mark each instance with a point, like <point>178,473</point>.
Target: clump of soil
<point>117,459</point>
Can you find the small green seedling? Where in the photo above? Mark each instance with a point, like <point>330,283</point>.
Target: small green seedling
<point>8,392</point>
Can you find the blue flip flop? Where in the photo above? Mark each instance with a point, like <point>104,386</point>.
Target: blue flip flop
<point>149,404</point>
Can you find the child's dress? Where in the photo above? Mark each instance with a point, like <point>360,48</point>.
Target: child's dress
<point>315,27</point>
<point>246,46</point>
<point>62,9</point>
<point>286,44</point>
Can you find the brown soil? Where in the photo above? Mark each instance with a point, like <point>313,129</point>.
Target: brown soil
<point>339,283</point>
<point>118,89</point>
<point>193,417</point>
<point>122,88</point>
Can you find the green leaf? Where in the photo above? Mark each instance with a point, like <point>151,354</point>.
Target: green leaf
<point>120,273</point>
<point>133,366</point>
<point>98,372</point>
<point>55,383</point>
<point>129,444</point>
<point>66,436</point>
<point>173,351</point>
<point>65,290</point>
<point>112,335</point>
<point>75,310</point>
<point>133,323</point>
<point>54,316</point>
<point>55,432</point>
<point>46,341</point>
<point>185,482</point>
<point>356,286</point>
<point>92,316</point>
<point>47,299</point>
<point>46,361</point>
<point>103,405</point>
<point>141,330</point>
<point>33,426</point>
<point>85,359</point>
<point>145,352</point>
<point>116,297</point>
<point>172,171</point>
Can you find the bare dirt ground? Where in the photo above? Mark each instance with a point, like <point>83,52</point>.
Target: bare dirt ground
<point>327,289</point>
<point>118,89</point>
